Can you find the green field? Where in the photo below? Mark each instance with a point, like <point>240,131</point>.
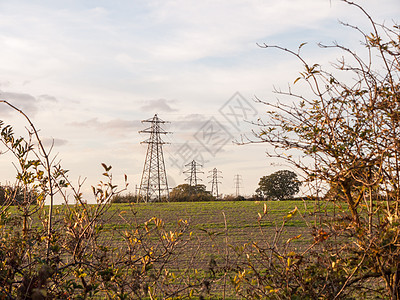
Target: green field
<point>239,220</point>
<point>216,226</point>
<point>218,229</point>
<point>203,257</point>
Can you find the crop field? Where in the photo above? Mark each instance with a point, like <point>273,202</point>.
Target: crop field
<point>199,245</point>
<point>217,230</point>
<point>213,223</point>
<point>239,221</point>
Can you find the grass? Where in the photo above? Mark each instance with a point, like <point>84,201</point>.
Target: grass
<point>213,238</point>
<point>239,215</point>
<point>237,221</point>
<point>218,228</point>
<point>207,221</point>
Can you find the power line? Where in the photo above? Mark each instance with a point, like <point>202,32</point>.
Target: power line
<point>237,182</point>
<point>193,178</point>
<point>214,182</point>
<point>154,185</point>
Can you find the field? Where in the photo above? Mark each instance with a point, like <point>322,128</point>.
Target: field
<point>239,216</point>
<point>217,230</point>
<point>239,220</point>
<point>193,250</point>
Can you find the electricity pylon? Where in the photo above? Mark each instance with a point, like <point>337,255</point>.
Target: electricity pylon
<point>154,185</point>
<point>193,178</point>
<point>237,181</point>
<point>214,181</point>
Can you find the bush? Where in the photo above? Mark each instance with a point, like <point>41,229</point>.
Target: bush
<point>341,129</point>
<point>16,195</point>
<point>129,198</point>
<point>67,252</point>
<point>187,193</point>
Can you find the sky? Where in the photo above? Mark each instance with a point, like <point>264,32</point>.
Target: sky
<point>88,72</point>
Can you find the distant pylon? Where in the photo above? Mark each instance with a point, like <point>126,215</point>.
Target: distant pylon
<point>193,178</point>
<point>214,182</point>
<point>154,185</point>
<point>237,181</point>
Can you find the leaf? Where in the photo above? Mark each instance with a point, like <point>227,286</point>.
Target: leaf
<point>293,238</point>
<point>106,168</point>
<point>292,213</point>
<point>301,45</point>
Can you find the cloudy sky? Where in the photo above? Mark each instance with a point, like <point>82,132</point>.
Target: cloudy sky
<point>88,72</point>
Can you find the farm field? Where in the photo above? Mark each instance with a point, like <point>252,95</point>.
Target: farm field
<point>241,218</point>
<point>194,247</point>
<point>236,221</point>
<point>216,230</point>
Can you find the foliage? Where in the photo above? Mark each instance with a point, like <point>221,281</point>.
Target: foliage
<point>128,198</point>
<point>299,267</point>
<point>231,197</point>
<point>67,252</point>
<point>347,123</point>
<point>279,185</point>
<point>188,193</point>
<point>15,195</point>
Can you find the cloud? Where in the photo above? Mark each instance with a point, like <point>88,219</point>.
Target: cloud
<point>47,98</point>
<point>4,83</point>
<point>190,122</point>
<point>25,102</point>
<point>188,35</point>
<point>53,142</point>
<point>158,105</point>
<point>114,126</point>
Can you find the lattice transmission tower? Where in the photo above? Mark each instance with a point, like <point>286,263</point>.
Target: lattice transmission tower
<point>237,182</point>
<point>214,181</point>
<point>193,171</point>
<point>154,185</point>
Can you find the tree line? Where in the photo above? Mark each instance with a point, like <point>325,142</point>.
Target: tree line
<point>281,185</point>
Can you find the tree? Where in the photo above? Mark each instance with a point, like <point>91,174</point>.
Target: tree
<point>188,193</point>
<point>341,127</point>
<point>279,185</point>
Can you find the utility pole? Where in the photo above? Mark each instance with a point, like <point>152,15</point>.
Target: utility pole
<point>193,178</point>
<point>214,182</point>
<point>237,182</point>
<point>154,185</point>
